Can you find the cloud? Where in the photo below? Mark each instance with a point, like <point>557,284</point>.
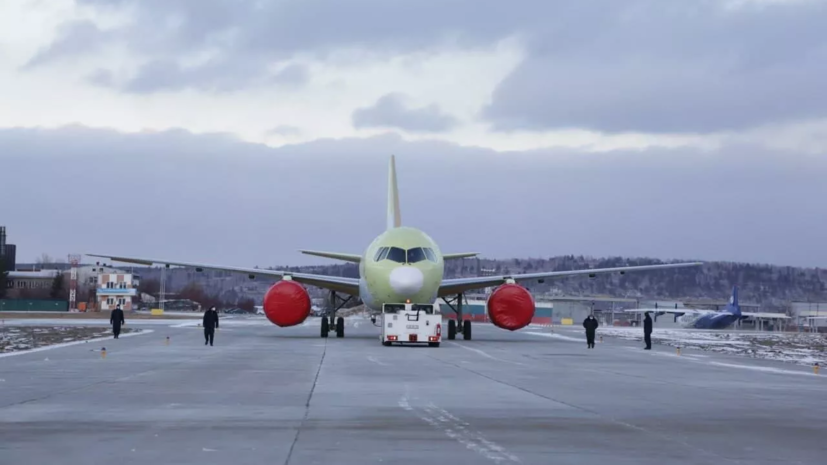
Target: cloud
<point>390,112</point>
<point>101,78</point>
<point>738,202</point>
<point>285,130</point>
<point>75,38</point>
<point>292,75</point>
<point>215,76</point>
<point>670,67</point>
<point>646,66</point>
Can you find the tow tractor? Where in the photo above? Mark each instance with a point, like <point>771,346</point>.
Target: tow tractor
<point>411,324</point>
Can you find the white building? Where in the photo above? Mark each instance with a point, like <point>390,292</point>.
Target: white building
<point>42,279</point>
<point>810,315</point>
<point>116,287</point>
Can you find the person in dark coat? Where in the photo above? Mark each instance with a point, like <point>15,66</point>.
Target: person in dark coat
<point>210,323</point>
<point>590,323</point>
<point>647,331</point>
<point>116,320</point>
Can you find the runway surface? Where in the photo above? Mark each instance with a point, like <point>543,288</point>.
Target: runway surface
<point>264,394</point>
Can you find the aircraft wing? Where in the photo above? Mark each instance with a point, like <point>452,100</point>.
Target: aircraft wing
<point>765,315</point>
<point>348,257</point>
<point>459,285</point>
<point>454,256</point>
<point>335,283</point>
<point>685,311</point>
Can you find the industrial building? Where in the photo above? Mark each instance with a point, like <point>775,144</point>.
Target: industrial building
<point>112,286</point>
<point>8,252</point>
<point>810,316</point>
<point>42,279</point>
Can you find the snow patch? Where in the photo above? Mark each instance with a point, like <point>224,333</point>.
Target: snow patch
<point>798,348</point>
<point>27,349</point>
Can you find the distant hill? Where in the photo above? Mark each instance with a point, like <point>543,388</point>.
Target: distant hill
<point>773,287</point>
<point>768,285</point>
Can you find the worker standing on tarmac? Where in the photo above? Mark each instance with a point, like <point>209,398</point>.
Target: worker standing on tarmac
<point>590,323</point>
<point>210,323</point>
<point>647,331</point>
<point>116,320</point>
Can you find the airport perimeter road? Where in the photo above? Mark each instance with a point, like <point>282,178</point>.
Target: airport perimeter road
<point>276,396</point>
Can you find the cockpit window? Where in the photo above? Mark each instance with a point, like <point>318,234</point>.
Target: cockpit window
<point>381,254</point>
<point>416,255</point>
<point>396,254</point>
<point>399,255</point>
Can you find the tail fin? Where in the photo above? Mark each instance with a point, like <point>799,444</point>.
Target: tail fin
<point>733,306</point>
<point>394,215</point>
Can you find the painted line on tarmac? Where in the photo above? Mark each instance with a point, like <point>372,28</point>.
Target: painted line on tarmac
<point>459,430</point>
<point>557,336</point>
<point>764,369</point>
<point>376,360</point>
<point>74,343</point>
<point>486,354</point>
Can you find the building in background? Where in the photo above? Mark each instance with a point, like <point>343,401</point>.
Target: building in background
<point>8,252</point>
<point>115,287</point>
<point>810,316</point>
<point>20,281</point>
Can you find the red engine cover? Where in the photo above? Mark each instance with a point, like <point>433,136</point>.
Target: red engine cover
<point>287,303</point>
<point>511,307</point>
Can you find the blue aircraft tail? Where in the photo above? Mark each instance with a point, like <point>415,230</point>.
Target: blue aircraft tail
<point>733,306</point>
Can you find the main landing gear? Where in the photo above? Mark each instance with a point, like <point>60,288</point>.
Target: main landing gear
<point>331,322</point>
<point>459,325</point>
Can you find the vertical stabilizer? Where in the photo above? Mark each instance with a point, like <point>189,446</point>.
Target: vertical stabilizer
<point>394,215</point>
<point>733,306</point>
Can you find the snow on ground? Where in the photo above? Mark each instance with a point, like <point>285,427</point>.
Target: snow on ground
<point>799,348</point>
<point>14,339</point>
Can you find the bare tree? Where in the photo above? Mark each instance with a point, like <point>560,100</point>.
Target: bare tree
<point>57,287</point>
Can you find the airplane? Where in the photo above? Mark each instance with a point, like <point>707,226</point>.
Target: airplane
<point>708,319</point>
<point>402,265</point>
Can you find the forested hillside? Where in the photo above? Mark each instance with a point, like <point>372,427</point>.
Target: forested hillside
<point>765,284</point>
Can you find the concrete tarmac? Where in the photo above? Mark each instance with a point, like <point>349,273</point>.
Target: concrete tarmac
<point>272,395</point>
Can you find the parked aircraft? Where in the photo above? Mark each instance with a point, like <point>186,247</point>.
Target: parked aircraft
<point>709,319</point>
<point>401,265</point>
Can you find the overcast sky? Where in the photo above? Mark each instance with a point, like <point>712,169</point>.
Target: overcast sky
<point>236,132</point>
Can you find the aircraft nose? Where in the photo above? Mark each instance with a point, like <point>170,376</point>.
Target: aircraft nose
<point>406,280</point>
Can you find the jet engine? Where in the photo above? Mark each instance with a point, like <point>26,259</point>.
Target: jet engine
<point>511,307</point>
<point>287,303</point>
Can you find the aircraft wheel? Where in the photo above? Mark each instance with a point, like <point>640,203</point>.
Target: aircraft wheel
<point>452,330</point>
<point>325,327</point>
<point>466,330</point>
<point>340,327</point>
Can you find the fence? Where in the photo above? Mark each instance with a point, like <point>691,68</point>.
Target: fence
<point>29,305</point>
